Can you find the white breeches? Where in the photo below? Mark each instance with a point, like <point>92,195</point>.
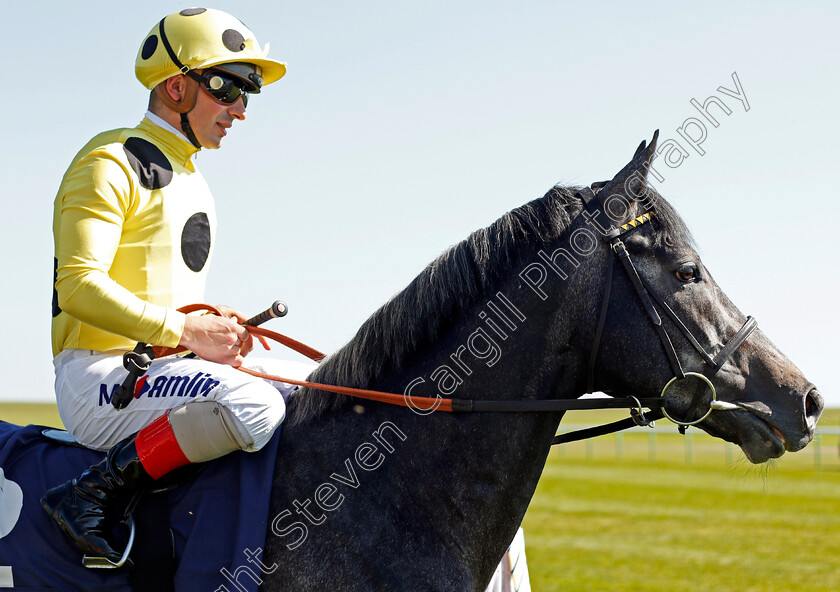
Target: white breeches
<point>85,382</point>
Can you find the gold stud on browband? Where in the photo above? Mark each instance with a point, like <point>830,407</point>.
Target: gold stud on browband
<point>638,221</point>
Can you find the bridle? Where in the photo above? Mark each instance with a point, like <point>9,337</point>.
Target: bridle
<point>612,237</point>
<point>138,362</point>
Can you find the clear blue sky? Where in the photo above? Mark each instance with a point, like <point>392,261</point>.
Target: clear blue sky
<point>402,127</point>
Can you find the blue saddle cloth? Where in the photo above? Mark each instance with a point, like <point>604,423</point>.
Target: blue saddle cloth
<point>218,520</point>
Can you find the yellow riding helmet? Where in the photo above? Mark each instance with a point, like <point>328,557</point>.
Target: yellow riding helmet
<point>199,38</point>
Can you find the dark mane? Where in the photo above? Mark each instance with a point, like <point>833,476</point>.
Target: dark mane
<point>460,277</point>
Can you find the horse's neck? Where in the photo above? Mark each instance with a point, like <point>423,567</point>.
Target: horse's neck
<point>483,468</point>
<point>450,488</point>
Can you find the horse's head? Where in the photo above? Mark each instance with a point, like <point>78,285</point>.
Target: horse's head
<point>772,406</point>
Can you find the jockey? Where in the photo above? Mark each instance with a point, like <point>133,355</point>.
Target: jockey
<point>134,226</point>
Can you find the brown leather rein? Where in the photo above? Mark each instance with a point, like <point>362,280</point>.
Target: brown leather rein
<point>423,404</point>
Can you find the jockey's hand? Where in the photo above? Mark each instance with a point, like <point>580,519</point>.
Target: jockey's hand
<point>231,313</point>
<point>218,339</point>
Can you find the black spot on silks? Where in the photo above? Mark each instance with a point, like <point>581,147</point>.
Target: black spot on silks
<point>149,47</point>
<point>152,167</point>
<point>233,40</point>
<point>195,241</point>
<point>192,11</point>
<point>56,310</point>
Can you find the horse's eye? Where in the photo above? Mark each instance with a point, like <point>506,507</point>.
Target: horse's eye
<point>687,272</point>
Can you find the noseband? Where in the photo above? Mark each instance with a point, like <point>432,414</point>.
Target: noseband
<point>647,296</point>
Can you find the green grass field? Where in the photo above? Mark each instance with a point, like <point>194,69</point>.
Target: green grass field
<point>670,513</point>
<point>661,512</point>
<point>26,413</point>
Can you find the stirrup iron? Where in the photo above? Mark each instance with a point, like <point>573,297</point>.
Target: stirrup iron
<point>100,562</point>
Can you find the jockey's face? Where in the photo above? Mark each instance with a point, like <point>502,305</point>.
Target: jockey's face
<point>211,119</point>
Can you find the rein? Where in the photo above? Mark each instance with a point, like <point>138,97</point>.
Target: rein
<point>425,404</point>
<point>143,354</point>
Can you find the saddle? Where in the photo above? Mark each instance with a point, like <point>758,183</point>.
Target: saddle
<point>192,533</point>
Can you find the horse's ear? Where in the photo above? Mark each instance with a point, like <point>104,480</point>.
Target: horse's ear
<point>641,148</point>
<point>632,179</point>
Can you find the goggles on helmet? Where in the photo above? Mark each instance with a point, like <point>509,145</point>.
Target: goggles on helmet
<point>250,74</point>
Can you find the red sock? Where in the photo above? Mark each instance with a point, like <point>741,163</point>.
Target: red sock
<point>158,449</point>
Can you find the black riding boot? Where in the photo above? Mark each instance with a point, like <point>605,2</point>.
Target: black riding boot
<point>88,507</point>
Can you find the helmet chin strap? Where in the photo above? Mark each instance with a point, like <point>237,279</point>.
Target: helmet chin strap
<point>188,131</point>
<point>183,105</point>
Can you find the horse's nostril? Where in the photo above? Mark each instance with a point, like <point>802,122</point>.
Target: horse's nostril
<point>813,404</point>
